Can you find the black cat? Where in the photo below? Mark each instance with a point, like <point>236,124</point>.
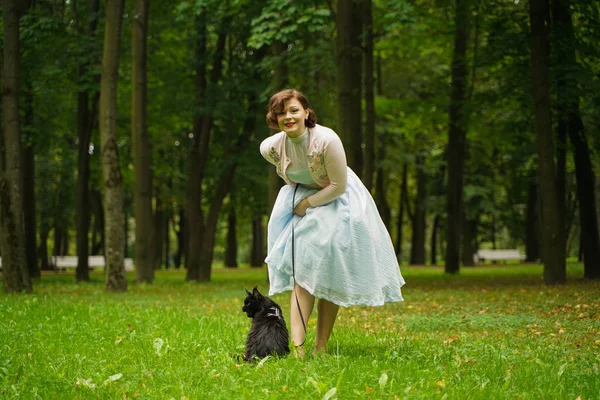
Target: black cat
<point>269,334</point>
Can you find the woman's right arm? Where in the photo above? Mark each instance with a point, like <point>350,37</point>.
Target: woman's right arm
<point>267,150</point>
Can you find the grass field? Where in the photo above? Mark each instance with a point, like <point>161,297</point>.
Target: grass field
<point>489,333</point>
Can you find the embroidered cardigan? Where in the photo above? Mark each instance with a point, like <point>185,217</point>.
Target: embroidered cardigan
<point>326,162</point>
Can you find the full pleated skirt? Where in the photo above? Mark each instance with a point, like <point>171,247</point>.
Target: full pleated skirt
<point>343,251</point>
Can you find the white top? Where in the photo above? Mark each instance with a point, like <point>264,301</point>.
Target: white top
<point>296,149</point>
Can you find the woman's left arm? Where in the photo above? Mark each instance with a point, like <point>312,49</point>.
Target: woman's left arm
<point>336,167</point>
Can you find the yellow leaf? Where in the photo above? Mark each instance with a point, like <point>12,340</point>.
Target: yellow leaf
<point>441,384</point>
<point>368,389</point>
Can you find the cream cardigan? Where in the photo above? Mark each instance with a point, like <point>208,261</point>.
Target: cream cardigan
<point>326,162</point>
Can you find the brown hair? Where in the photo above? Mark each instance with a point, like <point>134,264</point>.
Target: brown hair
<point>276,106</point>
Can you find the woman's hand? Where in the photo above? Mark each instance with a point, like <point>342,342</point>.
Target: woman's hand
<point>301,207</point>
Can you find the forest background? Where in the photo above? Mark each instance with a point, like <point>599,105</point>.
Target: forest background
<point>132,129</point>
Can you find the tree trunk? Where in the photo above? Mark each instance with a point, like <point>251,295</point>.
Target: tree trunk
<point>349,78</point>
<point>569,101</point>
<point>369,166</point>
<point>86,120</point>
<point>167,239</point>
<point>433,244</point>
<point>58,238</point>
<point>532,252</point>
<point>158,233</point>
<point>417,256</point>
<point>403,202</point>
<point>468,240</point>
<point>458,113</point>
<point>553,246</point>
<point>195,259</point>
<point>380,186</point>
<point>231,247</point>
<point>179,233</point>
<point>98,226</point>
<point>144,263</point>
<point>258,247</point>
<point>29,217</point>
<point>225,181</point>
<point>12,236</point>
<point>42,251</point>
<point>111,170</point>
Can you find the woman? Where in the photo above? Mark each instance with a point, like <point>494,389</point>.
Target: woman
<point>343,252</point>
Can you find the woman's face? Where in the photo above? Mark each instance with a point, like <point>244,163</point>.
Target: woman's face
<point>291,118</point>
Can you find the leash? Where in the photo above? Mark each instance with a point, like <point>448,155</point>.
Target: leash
<point>294,266</point>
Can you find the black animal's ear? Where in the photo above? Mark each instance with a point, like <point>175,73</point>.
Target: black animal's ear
<point>247,292</point>
<point>256,292</point>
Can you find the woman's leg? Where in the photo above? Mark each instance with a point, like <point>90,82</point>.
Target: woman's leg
<point>307,303</point>
<point>327,314</point>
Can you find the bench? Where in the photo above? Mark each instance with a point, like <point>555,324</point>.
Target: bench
<point>64,262</point>
<point>498,255</point>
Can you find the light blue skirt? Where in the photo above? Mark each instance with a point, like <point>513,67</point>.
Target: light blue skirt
<point>343,252</point>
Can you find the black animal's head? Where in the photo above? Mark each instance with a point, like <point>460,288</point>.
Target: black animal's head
<point>254,303</point>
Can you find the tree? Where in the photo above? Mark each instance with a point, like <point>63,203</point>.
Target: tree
<point>417,255</point>
<point>349,78</point>
<point>458,113</point>
<point>568,99</point>
<point>203,122</point>
<point>369,160</point>
<point>111,169</point>
<point>144,259</point>
<point>12,236</point>
<point>87,109</point>
<point>553,248</point>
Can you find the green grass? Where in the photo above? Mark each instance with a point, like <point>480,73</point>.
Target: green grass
<point>489,333</point>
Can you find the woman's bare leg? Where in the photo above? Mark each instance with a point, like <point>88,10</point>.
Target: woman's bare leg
<point>307,303</point>
<point>327,315</point>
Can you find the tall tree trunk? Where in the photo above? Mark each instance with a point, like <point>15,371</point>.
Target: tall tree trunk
<point>144,263</point>
<point>532,251</point>
<point>553,246</point>
<point>569,108</point>
<point>111,170</point>
<point>42,251</point>
<point>158,233</point>
<point>468,241</point>
<point>417,256</point>
<point>98,226</point>
<point>403,202</point>
<point>434,240</point>
<point>258,246</point>
<point>86,120</point>
<point>380,187</point>
<point>458,113</point>
<point>167,239</point>
<point>195,258</point>
<point>179,234</point>
<point>349,78</point>
<point>231,247</point>
<point>225,181</point>
<point>369,166</point>
<point>29,218</point>
<point>12,236</point>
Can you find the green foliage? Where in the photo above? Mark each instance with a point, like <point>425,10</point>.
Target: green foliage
<point>286,20</point>
<point>492,332</point>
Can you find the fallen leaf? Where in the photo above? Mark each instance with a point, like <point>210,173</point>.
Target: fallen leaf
<point>383,380</point>
<point>330,393</point>
<point>113,378</point>
<point>368,389</point>
<point>441,384</point>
